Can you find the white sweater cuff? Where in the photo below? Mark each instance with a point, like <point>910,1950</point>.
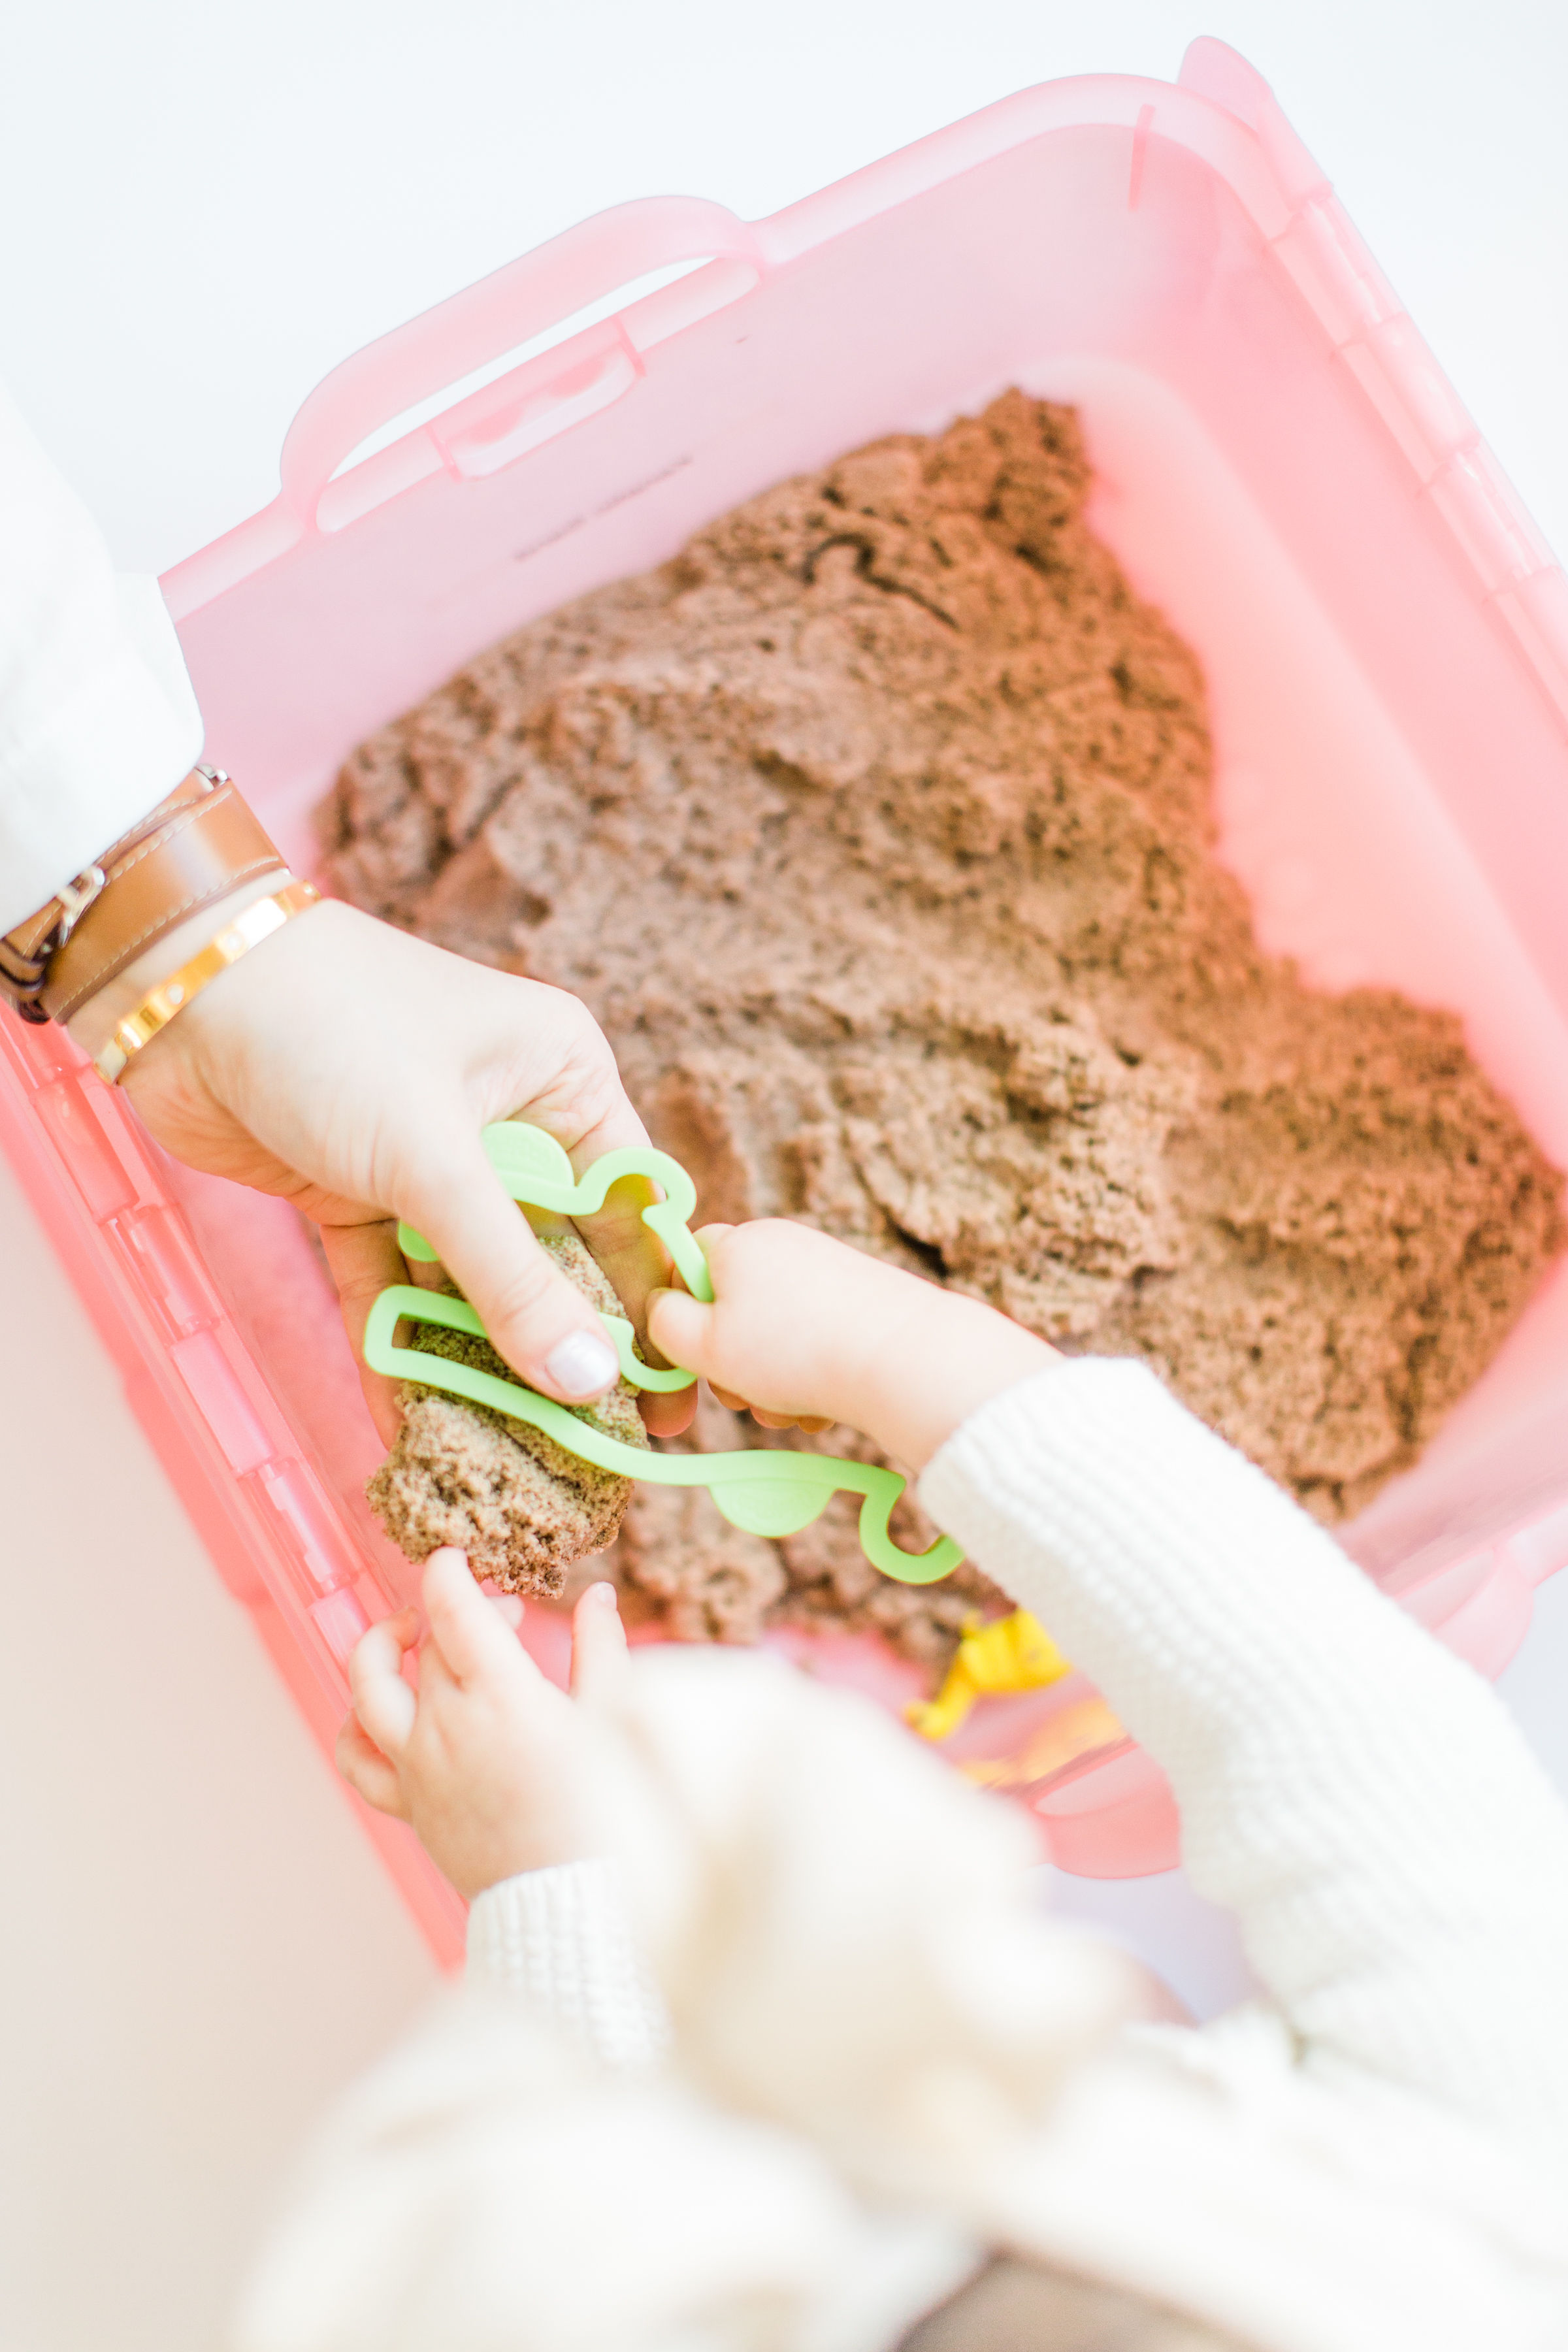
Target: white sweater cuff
<point>562,1938</point>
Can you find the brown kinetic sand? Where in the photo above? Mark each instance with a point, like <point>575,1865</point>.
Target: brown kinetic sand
<point>875,830</point>
<point>522,1507</point>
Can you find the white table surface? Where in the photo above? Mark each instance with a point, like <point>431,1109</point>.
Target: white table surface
<point>206,207</point>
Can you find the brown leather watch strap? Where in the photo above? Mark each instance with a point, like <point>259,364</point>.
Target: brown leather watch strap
<point>27,950</point>
<point>202,846</point>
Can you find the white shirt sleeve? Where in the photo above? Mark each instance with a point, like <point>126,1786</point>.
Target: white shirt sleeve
<point>1395,1857</point>
<point>98,720</point>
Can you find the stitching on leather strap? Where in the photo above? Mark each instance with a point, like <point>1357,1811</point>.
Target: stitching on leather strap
<point>270,864</point>
<point>182,821</point>
<point>25,938</point>
<point>170,804</point>
<point>97,975</point>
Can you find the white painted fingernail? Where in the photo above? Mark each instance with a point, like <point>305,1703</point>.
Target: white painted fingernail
<point>582,1365</point>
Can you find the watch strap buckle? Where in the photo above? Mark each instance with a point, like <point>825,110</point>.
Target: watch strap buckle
<point>75,899</point>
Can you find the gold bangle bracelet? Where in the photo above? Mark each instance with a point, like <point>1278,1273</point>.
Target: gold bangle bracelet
<point>158,1007</point>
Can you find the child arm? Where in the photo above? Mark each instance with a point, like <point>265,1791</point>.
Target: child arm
<point>1362,1800</point>
<point>487,1764</point>
<point>1397,1860</point>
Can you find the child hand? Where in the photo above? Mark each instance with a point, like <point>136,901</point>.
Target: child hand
<point>485,1761</point>
<point>806,1330</point>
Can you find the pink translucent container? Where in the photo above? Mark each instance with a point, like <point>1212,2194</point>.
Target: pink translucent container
<point>1281,467</point>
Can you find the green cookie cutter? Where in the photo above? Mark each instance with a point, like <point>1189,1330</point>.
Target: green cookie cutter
<point>767,1493</point>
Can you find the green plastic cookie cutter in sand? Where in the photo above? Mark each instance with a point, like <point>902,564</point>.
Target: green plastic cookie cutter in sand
<point>767,1493</point>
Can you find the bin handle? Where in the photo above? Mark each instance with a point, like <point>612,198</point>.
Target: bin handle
<point>509,307</point>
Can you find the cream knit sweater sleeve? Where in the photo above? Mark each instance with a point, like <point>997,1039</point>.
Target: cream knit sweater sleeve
<point>562,1940</point>
<point>1361,1799</point>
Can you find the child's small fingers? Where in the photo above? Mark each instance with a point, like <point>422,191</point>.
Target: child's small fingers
<point>386,1708</point>
<point>388,1639</point>
<point>678,1326</point>
<point>598,1644</point>
<point>812,1423</point>
<point>707,1238</point>
<point>436,1676</point>
<point>507,1607</point>
<point>466,1635</point>
<point>382,1699</point>
<point>367,1771</point>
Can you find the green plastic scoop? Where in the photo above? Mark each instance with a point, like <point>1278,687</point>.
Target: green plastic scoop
<point>768,1493</point>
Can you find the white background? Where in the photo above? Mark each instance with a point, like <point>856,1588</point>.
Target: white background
<point>206,204</point>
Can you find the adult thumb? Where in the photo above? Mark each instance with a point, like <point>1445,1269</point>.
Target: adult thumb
<point>538,1321</point>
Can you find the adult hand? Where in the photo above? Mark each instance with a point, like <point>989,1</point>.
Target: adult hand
<point>348,1068</point>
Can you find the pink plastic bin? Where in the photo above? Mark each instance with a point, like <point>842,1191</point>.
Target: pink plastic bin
<point>1281,467</point>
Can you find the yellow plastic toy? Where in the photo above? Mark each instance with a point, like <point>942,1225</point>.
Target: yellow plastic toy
<point>1012,1653</point>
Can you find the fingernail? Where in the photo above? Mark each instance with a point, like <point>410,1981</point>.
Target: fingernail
<point>582,1365</point>
<point>602,1596</point>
